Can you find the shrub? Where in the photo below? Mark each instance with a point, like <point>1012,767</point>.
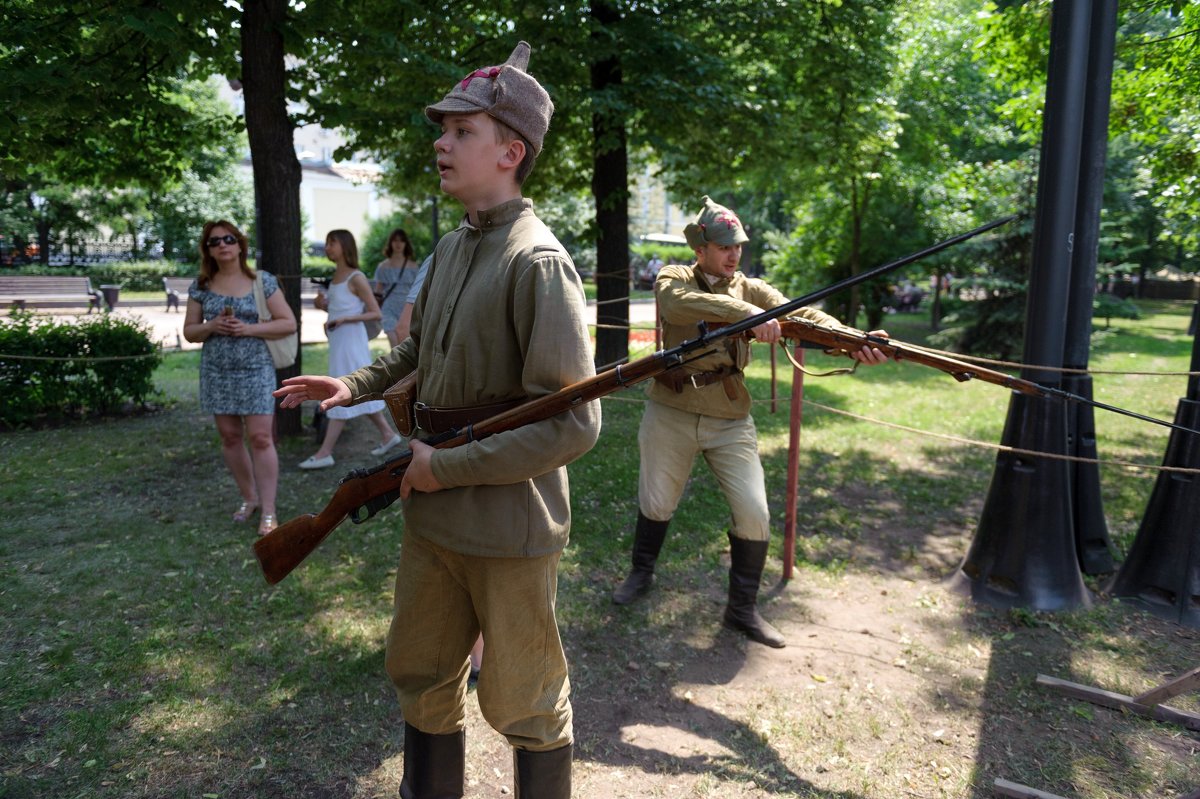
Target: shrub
<point>129,275</point>
<point>1110,306</point>
<point>669,253</point>
<point>53,368</point>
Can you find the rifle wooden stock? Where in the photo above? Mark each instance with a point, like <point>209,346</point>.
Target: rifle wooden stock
<point>844,341</point>
<point>286,547</point>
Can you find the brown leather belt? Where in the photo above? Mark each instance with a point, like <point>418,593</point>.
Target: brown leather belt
<point>439,420</point>
<point>677,382</point>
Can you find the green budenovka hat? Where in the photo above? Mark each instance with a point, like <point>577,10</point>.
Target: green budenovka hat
<point>717,224</point>
<point>507,93</point>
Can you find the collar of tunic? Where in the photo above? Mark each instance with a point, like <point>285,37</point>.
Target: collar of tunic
<point>712,282</point>
<point>503,214</point>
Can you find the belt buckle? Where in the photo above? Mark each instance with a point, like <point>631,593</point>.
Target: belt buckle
<point>421,416</point>
<point>692,379</point>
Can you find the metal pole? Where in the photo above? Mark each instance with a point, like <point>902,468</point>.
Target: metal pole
<point>1023,551</point>
<point>793,467</point>
<point>1092,544</point>
<point>774,383</point>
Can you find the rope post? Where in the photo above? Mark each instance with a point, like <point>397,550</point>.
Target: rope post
<point>657,326</point>
<point>793,464</point>
<point>774,392</point>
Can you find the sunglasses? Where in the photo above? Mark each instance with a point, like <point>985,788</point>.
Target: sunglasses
<point>228,238</point>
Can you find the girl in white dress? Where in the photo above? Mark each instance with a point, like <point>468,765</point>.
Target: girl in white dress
<point>350,302</point>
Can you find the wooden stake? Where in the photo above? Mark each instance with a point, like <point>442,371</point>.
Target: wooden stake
<point>1121,702</point>
<point>1006,788</point>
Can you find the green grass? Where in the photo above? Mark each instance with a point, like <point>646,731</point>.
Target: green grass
<point>144,656</point>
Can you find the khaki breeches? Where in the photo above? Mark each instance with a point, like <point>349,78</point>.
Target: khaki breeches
<point>669,440</point>
<point>443,601</point>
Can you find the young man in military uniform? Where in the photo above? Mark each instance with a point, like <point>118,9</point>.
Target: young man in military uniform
<point>499,319</point>
<point>705,408</point>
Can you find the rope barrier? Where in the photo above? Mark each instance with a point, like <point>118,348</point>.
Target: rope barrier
<point>618,299</point>
<point>1062,369</point>
<point>1001,447</point>
<point>1143,467</point>
<point>79,358</point>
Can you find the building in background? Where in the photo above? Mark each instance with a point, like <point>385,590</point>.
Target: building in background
<point>651,211</point>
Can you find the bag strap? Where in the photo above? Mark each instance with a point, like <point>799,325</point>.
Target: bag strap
<point>260,299</point>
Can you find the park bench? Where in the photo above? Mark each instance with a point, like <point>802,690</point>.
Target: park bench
<point>177,288</point>
<point>18,290</point>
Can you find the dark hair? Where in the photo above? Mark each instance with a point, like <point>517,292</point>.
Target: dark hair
<point>506,134</point>
<point>349,249</point>
<point>208,264</point>
<point>408,248</point>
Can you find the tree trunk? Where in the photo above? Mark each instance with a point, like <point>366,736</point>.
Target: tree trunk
<point>610,188</point>
<point>935,305</point>
<point>856,218</point>
<point>276,170</point>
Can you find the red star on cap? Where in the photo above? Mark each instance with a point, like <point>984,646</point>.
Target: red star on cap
<point>491,72</point>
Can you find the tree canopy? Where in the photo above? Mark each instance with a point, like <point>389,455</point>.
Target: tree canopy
<point>841,132</point>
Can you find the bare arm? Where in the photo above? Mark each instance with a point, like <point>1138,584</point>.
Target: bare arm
<point>405,322</point>
<point>196,329</point>
<point>283,321</point>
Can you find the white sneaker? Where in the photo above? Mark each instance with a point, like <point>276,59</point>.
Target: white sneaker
<point>313,462</point>
<point>394,442</point>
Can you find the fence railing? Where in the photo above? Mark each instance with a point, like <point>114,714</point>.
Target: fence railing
<point>15,251</point>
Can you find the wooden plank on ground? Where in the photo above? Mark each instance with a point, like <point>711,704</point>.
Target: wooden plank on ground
<point>1006,788</point>
<point>1177,686</point>
<point>1116,701</point>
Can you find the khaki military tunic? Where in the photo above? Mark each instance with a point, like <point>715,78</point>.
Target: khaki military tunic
<point>711,419</point>
<point>685,298</point>
<point>500,316</point>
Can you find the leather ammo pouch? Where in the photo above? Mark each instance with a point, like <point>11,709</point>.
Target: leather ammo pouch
<point>677,381</point>
<point>439,420</point>
<point>400,400</point>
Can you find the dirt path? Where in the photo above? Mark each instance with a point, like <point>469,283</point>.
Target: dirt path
<point>889,687</point>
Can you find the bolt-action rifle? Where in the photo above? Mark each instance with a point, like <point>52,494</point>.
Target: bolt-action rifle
<point>844,341</point>
<point>365,492</point>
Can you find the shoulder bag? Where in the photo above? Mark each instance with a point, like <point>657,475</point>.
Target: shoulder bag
<point>283,350</point>
<point>375,326</point>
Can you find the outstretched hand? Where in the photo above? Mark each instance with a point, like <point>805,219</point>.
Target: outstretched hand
<point>329,390</point>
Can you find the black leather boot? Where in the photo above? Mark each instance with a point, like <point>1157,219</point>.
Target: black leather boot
<point>433,764</point>
<point>747,559</point>
<point>542,775</point>
<point>648,539</point>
